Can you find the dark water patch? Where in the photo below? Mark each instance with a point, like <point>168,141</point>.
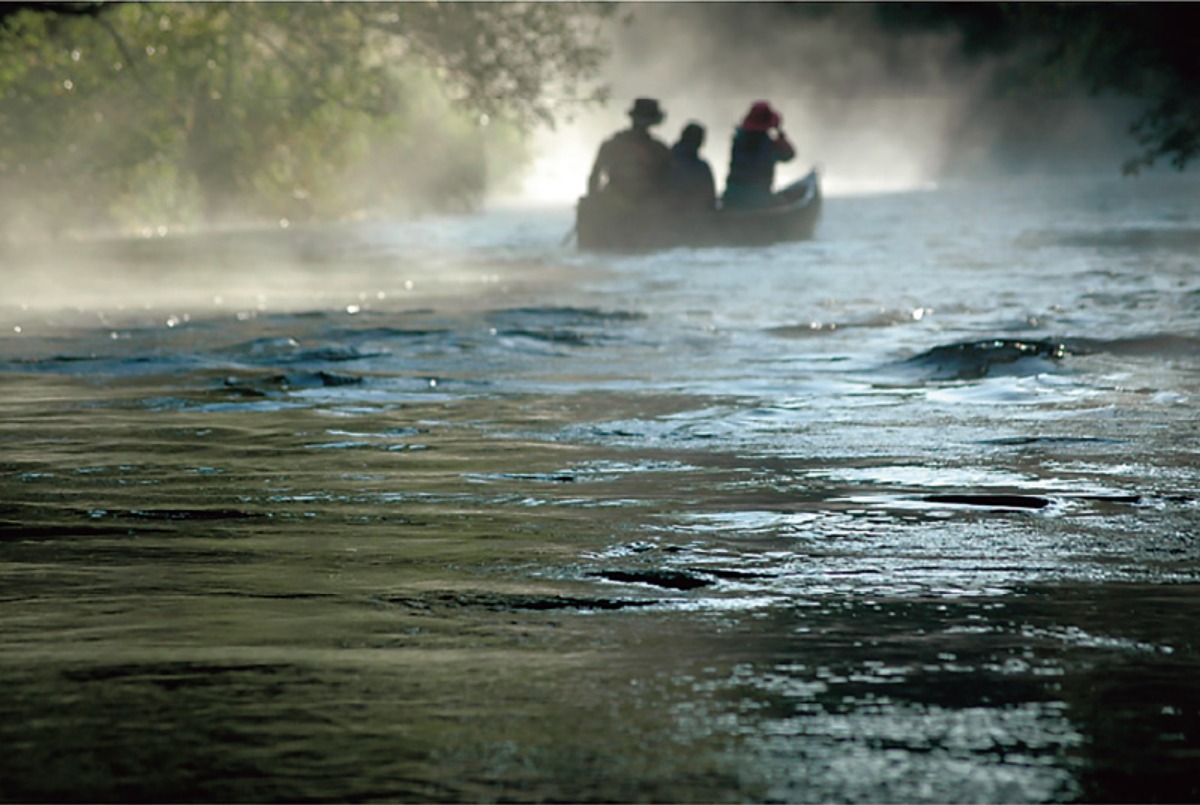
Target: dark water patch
<point>991,501</point>
<point>114,522</point>
<point>281,596</point>
<point>1022,441</point>
<point>511,602</point>
<point>537,477</point>
<point>978,359</point>
<point>1130,737</point>
<point>389,333</point>
<point>193,515</point>
<point>189,732</point>
<point>105,364</point>
<point>666,579</point>
<point>1101,503</point>
<point>564,314</point>
<point>1016,500</point>
<point>1164,345</point>
<point>261,386</point>
<point>53,359</point>
<point>1185,239</point>
<point>169,675</point>
<point>33,522</point>
<point>16,530</point>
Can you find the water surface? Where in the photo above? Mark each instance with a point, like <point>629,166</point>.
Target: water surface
<point>446,510</point>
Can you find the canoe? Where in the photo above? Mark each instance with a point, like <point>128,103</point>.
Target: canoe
<point>602,225</point>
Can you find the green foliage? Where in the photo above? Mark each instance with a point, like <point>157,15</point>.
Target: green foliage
<point>122,113</point>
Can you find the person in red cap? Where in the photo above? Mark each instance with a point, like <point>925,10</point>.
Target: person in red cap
<point>633,165</point>
<point>758,144</point>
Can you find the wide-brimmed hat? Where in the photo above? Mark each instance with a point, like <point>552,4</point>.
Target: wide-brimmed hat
<point>761,117</point>
<point>647,109</point>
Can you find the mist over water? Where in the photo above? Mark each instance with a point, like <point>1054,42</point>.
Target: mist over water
<point>442,509</point>
<point>877,111</point>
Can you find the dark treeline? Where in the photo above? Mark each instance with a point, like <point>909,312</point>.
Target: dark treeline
<point>1141,51</point>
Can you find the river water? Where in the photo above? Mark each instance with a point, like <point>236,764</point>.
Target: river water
<point>446,510</point>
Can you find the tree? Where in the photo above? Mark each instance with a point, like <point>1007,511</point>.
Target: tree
<point>1144,51</point>
<point>273,109</point>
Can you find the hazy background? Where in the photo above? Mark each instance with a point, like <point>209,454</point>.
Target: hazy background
<point>159,118</point>
<point>878,110</point>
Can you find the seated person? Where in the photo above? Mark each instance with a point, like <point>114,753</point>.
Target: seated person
<point>632,165</point>
<point>692,186</point>
<point>758,143</point>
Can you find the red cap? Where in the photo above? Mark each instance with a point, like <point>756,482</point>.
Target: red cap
<point>761,117</point>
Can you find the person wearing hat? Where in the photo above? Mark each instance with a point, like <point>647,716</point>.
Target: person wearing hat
<point>632,165</point>
<point>758,143</point>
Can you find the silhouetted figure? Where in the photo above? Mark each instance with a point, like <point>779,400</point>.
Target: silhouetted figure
<point>758,143</point>
<point>692,186</point>
<point>632,165</point>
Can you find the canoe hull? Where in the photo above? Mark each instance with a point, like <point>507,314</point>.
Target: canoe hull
<point>603,226</point>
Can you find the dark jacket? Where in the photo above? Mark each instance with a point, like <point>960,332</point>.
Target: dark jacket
<point>631,164</point>
<point>692,185</point>
<point>752,159</point>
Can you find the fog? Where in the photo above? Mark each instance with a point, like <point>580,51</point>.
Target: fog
<point>875,111</point>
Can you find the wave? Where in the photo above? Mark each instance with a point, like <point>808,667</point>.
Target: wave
<point>1019,357</point>
<point>978,359</point>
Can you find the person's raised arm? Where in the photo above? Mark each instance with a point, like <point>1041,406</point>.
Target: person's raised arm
<point>784,150</point>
